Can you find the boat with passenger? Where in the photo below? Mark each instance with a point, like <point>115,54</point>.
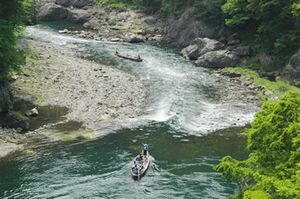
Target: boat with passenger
<point>140,164</point>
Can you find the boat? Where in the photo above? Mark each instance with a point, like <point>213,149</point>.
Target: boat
<point>135,58</point>
<point>142,165</point>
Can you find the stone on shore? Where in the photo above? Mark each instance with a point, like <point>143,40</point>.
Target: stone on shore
<point>200,46</point>
<point>218,59</point>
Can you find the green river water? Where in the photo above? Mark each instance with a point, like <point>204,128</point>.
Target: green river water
<point>181,123</point>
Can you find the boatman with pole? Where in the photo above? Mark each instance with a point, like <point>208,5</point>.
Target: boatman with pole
<point>146,149</point>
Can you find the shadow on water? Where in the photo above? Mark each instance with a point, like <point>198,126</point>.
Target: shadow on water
<point>17,117</point>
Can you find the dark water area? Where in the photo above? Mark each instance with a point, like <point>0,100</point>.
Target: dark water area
<point>181,166</point>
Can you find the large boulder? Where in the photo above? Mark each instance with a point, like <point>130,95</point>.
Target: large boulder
<point>51,11</point>
<point>292,72</point>
<point>75,3</point>
<point>200,46</point>
<point>184,30</point>
<point>218,59</point>
<point>78,16</point>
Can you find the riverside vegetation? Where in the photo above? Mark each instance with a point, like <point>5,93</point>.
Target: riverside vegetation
<point>272,169</point>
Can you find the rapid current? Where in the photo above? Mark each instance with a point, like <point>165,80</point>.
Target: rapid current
<point>186,123</point>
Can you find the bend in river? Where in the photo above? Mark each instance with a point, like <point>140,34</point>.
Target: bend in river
<point>183,102</point>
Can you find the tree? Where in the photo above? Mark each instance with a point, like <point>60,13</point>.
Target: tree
<point>272,169</point>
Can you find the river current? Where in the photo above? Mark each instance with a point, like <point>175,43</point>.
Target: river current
<point>186,125</point>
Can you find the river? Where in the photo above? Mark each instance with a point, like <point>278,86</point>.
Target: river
<point>185,122</point>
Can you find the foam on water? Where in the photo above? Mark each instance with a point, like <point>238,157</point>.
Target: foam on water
<point>180,94</point>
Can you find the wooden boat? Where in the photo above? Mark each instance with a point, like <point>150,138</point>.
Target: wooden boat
<point>135,58</point>
<point>143,166</point>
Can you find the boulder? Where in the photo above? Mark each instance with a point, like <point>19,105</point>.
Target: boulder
<point>78,16</point>
<point>32,113</point>
<point>292,71</point>
<point>51,11</point>
<point>184,30</point>
<point>200,46</point>
<point>218,59</point>
<point>191,52</point>
<point>133,38</point>
<point>75,3</point>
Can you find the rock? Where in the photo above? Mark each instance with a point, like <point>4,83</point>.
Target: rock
<point>51,11</point>
<point>191,52</point>
<point>218,59</point>
<point>231,75</point>
<point>135,39</point>
<point>272,76</point>
<point>64,31</point>
<point>233,42</point>
<point>201,46</point>
<point>75,3</point>
<point>184,30</point>
<point>78,16</point>
<point>268,93</point>
<point>242,51</point>
<point>16,120</point>
<point>32,113</point>
<point>269,60</point>
<point>115,39</point>
<point>5,98</point>
<point>292,71</point>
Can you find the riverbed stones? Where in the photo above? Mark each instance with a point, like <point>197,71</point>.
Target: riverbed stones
<point>81,84</point>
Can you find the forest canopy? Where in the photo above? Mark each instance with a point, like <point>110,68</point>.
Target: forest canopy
<point>272,169</point>
<point>12,15</point>
<point>274,25</point>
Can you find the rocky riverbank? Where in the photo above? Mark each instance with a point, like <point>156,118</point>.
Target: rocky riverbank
<point>94,94</point>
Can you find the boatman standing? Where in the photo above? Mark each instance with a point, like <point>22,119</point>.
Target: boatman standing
<point>146,148</point>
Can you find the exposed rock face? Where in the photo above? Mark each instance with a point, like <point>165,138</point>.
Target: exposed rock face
<point>292,73</point>
<point>51,11</point>
<point>201,46</point>
<point>5,98</point>
<point>218,59</point>
<point>185,29</point>
<point>78,16</point>
<point>75,3</point>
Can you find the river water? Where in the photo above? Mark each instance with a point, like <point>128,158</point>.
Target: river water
<point>185,122</point>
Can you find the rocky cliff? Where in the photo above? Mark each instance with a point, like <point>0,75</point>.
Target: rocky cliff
<point>205,44</point>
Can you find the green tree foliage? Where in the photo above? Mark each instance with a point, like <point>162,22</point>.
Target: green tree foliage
<point>272,169</point>
<point>273,23</point>
<point>11,13</point>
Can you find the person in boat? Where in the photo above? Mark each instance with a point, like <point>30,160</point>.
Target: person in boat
<point>135,169</point>
<point>146,149</point>
<point>139,158</point>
